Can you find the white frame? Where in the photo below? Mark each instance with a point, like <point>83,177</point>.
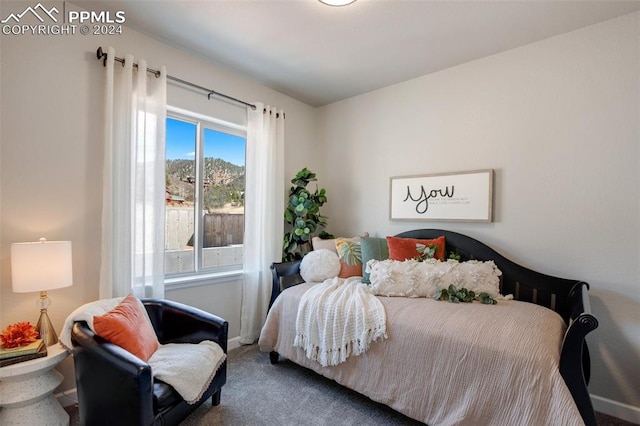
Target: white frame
<point>197,254</point>
<point>459,197</point>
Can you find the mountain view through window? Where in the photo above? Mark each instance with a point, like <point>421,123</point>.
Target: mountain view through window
<point>205,178</point>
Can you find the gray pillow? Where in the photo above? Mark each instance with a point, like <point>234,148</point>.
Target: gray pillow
<point>372,248</point>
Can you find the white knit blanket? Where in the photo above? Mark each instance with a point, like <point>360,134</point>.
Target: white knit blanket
<point>337,318</point>
<point>188,368</point>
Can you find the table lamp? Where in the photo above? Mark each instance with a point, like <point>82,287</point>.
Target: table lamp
<point>41,266</point>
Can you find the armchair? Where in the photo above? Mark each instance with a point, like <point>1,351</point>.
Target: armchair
<point>117,388</point>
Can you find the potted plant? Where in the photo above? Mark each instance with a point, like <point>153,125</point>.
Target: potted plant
<point>302,216</point>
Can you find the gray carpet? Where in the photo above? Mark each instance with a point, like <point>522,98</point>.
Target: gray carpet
<point>258,393</point>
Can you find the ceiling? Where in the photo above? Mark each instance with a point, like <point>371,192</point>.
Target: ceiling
<point>320,54</point>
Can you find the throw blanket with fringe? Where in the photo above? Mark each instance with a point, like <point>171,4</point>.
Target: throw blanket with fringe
<point>188,368</point>
<point>338,318</point>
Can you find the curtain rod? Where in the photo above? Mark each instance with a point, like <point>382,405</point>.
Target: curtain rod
<point>101,55</point>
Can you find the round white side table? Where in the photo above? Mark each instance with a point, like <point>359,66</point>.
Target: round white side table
<point>26,391</point>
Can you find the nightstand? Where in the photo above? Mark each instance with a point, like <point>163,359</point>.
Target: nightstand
<point>26,391</point>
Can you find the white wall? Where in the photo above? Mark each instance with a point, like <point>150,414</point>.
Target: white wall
<point>51,154</point>
<point>558,121</point>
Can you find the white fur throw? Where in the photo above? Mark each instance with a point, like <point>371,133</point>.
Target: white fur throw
<point>188,368</point>
<point>319,265</point>
<point>86,313</point>
<point>338,318</point>
<point>411,278</point>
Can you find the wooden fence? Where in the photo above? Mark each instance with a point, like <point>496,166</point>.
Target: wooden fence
<point>223,229</point>
<point>220,229</point>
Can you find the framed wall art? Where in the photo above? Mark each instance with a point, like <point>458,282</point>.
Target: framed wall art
<point>461,196</point>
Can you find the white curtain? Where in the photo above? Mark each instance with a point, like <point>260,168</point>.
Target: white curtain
<point>264,214</point>
<point>134,184</point>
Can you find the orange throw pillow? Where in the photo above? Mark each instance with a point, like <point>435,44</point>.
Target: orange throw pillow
<point>405,248</point>
<point>128,326</point>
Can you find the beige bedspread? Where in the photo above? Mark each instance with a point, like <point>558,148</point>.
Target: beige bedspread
<point>449,364</point>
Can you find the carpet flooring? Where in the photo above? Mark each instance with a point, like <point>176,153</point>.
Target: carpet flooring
<point>258,393</point>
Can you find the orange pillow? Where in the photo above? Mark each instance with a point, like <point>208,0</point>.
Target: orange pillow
<point>405,248</point>
<point>128,326</point>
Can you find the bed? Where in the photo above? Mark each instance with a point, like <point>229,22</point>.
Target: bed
<point>425,370</point>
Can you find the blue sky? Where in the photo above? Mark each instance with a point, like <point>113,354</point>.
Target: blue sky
<point>181,138</point>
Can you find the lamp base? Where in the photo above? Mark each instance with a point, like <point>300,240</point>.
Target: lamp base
<point>46,330</point>
<point>44,326</point>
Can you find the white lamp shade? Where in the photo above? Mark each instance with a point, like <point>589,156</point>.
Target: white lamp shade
<point>41,266</point>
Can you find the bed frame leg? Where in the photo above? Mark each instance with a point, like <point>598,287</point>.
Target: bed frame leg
<point>273,357</point>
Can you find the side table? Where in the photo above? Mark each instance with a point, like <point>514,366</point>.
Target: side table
<point>26,391</point>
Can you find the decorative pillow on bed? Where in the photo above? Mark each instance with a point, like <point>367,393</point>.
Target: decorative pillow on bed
<point>372,249</point>
<point>411,278</point>
<point>318,243</point>
<point>350,255</point>
<point>319,265</point>
<point>407,248</point>
<point>400,278</point>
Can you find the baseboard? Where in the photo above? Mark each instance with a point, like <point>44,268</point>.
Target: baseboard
<point>616,409</point>
<point>233,343</point>
<point>68,397</point>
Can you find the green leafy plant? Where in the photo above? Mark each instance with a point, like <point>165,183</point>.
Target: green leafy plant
<point>302,216</point>
<point>425,252</point>
<point>454,295</point>
<point>454,256</point>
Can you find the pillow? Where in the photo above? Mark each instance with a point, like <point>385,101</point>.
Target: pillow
<point>350,257</point>
<point>411,278</point>
<point>128,326</point>
<point>407,248</point>
<point>480,277</point>
<point>372,248</point>
<point>318,243</point>
<point>319,265</point>
<point>401,278</point>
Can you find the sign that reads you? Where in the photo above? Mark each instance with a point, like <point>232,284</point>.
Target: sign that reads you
<point>461,196</point>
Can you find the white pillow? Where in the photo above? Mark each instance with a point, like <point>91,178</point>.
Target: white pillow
<point>477,276</point>
<point>411,278</point>
<point>319,265</point>
<point>330,244</point>
<point>401,278</point>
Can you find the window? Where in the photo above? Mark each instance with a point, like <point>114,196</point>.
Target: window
<point>205,178</point>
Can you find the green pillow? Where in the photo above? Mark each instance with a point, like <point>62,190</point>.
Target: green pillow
<point>372,248</point>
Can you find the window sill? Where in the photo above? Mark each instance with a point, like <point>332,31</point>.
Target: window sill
<point>177,283</point>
